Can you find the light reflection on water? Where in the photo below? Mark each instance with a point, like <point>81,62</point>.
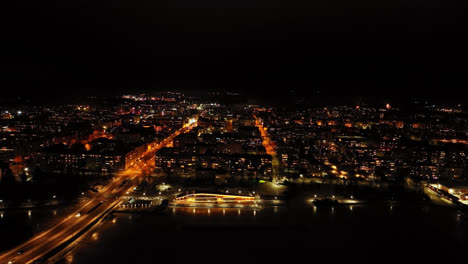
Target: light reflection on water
<point>180,211</point>
<point>341,226</point>
<point>20,224</point>
<point>69,259</point>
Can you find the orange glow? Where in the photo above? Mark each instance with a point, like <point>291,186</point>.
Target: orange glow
<point>300,122</point>
<point>213,198</point>
<point>454,141</point>
<point>148,156</point>
<point>18,159</point>
<point>229,126</point>
<point>267,143</point>
<point>54,236</point>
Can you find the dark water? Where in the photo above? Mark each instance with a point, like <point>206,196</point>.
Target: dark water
<point>19,225</point>
<point>203,235</point>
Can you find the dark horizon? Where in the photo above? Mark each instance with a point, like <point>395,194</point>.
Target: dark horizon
<point>364,47</point>
<point>302,126</point>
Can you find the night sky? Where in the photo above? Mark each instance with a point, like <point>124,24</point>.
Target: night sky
<point>251,46</point>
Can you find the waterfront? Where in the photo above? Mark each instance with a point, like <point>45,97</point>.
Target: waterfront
<point>133,238</point>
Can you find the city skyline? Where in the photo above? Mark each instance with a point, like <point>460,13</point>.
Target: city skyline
<point>141,131</point>
<point>76,177</point>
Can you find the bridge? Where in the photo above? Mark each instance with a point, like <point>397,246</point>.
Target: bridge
<point>43,245</point>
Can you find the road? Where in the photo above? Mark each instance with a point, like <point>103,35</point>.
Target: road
<point>436,198</point>
<point>269,147</point>
<point>98,206</point>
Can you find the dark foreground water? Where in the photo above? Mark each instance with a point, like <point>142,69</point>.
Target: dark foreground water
<point>19,225</point>
<point>189,235</point>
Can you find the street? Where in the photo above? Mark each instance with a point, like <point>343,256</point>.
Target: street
<point>100,205</point>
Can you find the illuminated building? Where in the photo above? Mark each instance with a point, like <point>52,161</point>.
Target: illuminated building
<point>213,198</point>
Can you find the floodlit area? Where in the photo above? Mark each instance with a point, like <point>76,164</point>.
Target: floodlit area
<point>453,194</point>
<point>213,198</point>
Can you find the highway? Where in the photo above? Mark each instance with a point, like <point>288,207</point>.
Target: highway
<point>88,214</point>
